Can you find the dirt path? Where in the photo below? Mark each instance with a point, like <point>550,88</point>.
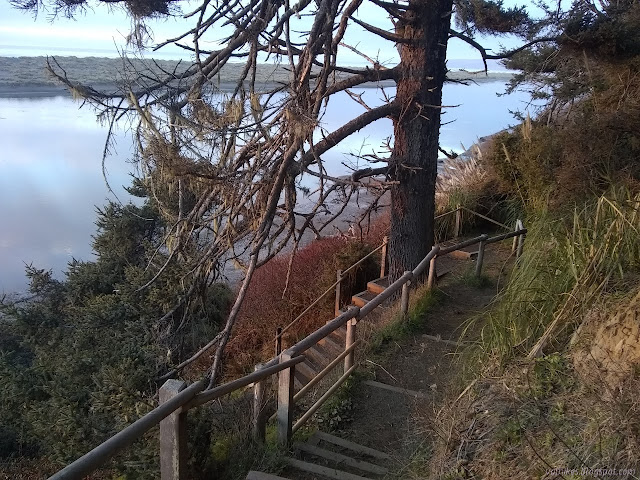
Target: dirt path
<point>382,418</point>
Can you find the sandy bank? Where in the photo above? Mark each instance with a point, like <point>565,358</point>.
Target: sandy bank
<point>26,77</point>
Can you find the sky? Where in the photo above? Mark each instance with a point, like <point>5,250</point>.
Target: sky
<point>101,31</point>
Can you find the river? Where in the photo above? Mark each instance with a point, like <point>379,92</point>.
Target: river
<point>51,175</point>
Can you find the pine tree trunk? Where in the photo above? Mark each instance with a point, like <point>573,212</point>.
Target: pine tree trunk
<point>416,128</point>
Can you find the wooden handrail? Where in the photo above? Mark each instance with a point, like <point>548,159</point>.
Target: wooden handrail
<point>417,271</point>
<point>504,236</point>
<point>446,213</point>
<point>321,375</point>
<point>315,337</point>
<point>99,455</point>
<point>486,218</point>
<point>229,387</point>
<point>466,243</point>
<point>316,301</point>
<point>422,266</point>
<point>385,294</point>
<point>362,259</point>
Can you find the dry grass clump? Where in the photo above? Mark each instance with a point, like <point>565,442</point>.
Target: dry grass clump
<point>534,421</point>
<point>459,174</point>
<point>607,344</point>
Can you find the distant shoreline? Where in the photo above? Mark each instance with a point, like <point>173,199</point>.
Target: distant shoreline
<point>26,77</point>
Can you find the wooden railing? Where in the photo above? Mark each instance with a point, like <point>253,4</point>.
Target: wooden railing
<point>176,398</point>
<point>341,275</point>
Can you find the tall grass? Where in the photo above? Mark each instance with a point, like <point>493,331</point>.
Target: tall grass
<point>568,264</point>
<point>458,186</point>
<point>466,182</point>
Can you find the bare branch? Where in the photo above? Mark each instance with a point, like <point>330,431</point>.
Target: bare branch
<point>383,33</point>
<point>343,132</point>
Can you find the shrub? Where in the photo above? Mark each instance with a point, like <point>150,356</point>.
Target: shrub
<point>273,302</point>
<point>79,358</point>
<point>583,149</point>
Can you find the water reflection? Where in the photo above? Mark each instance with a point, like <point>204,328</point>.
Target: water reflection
<point>51,177</point>
<point>50,180</point>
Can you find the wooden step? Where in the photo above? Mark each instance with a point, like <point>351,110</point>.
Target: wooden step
<point>444,265</point>
<point>299,380</point>
<point>253,475</point>
<point>321,470</point>
<point>331,346</point>
<point>378,285</point>
<point>339,335</point>
<point>324,352</point>
<point>462,254</point>
<point>442,271</point>
<point>342,460</point>
<point>362,298</point>
<point>392,388</point>
<point>306,369</point>
<point>354,447</point>
<point>318,356</point>
<point>303,374</point>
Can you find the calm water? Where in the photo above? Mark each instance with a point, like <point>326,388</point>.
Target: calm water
<point>51,176</point>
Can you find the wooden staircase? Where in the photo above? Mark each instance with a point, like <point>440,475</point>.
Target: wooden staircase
<point>325,456</point>
<point>321,354</point>
<point>328,456</point>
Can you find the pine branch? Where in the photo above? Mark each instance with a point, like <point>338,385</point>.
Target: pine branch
<point>501,56</point>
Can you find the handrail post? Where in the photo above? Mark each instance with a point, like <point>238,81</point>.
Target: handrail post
<point>520,240</point>
<point>405,298</point>
<point>432,273</point>
<point>383,257</point>
<point>480,259</point>
<point>515,239</point>
<point>259,419</point>
<point>458,224</point>
<point>173,438</point>
<point>338,292</point>
<point>278,340</point>
<point>284,415</point>
<point>350,338</point>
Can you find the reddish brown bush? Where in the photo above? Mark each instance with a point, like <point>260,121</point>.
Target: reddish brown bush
<point>269,305</point>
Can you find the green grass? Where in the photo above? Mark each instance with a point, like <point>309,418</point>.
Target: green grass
<point>569,263</point>
<point>401,328</point>
<point>470,278</point>
<point>337,411</point>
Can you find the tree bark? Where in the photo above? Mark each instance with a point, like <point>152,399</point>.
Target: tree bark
<point>414,160</point>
